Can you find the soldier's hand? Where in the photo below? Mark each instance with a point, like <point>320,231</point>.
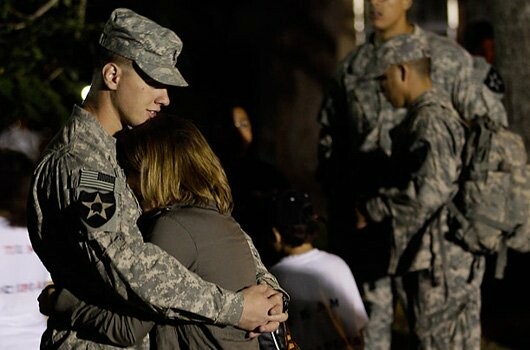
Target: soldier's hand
<point>276,310</point>
<point>259,304</point>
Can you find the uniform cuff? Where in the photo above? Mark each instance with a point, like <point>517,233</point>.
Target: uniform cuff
<point>232,311</point>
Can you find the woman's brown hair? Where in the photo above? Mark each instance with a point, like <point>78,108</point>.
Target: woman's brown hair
<point>175,164</point>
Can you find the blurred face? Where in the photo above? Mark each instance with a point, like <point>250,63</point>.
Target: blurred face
<point>138,97</point>
<point>242,124</point>
<point>392,83</point>
<point>488,50</point>
<point>389,16</point>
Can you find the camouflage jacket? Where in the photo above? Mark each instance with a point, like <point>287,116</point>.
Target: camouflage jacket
<point>426,163</point>
<point>82,222</point>
<point>356,118</point>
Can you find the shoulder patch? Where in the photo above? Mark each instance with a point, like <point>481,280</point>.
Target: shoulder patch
<point>96,208</point>
<point>97,180</point>
<point>494,81</point>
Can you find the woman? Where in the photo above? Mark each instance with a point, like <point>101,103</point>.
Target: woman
<point>184,192</point>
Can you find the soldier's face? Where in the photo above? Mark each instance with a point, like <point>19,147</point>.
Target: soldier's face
<point>139,98</point>
<point>386,15</point>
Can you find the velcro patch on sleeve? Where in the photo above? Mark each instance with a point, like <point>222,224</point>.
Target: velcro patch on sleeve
<point>97,180</point>
<point>96,208</point>
<point>494,81</point>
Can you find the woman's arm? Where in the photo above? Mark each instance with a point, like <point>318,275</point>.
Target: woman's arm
<point>93,322</point>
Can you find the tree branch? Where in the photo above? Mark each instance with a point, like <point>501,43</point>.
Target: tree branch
<point>40,11</point>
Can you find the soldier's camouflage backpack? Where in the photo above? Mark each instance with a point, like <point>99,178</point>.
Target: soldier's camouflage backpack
<point>491,211</point>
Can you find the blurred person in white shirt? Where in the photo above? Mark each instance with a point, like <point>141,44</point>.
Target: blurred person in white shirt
<point>22,275</point>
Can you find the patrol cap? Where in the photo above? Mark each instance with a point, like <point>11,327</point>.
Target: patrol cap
<point>402,48</point>
<point>152,47</point>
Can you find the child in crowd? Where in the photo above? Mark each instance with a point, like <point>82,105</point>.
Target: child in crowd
<point>326,310</point>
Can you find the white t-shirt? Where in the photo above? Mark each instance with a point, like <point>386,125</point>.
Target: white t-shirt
<point>326,310</point>
<point>22,277</point>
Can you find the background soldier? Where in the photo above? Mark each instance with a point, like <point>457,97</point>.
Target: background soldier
<point>441,280</point>
<point>356,120</point>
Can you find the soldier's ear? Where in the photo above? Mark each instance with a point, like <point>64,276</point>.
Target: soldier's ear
<point>407,4</point>
<point>111,73</point>
<point>403,71</point>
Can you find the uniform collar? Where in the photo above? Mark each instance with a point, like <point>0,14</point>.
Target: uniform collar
<point>87,121</point>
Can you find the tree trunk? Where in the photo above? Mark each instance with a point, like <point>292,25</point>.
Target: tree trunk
<point>512,47</point>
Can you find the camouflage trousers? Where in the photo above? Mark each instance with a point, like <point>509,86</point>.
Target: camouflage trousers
<point>442,316</point>
<point>446,315</point>
<point>380,298</point>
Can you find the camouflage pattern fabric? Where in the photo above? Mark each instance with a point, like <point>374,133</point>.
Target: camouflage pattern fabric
<point>81,219</point>
<point>485,73</point>
<point>152,47</point>
<point>521,240</point>
<point>426,146</point>
<point>379,297</point>
<point>490,209</point>
<point>447,314</point>
<point>442,279</point>
<point>489,204</point>
<point>402,48</point>
<point>356,120</point>
<point>373,117</point>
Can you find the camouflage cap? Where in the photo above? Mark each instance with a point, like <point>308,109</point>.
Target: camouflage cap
<point>401,48</point>
<point>152,47</point>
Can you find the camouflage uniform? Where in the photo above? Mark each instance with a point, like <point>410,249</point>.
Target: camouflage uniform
<point>82,222</point>
<point>488,77</point>
<point>356,120</point>
<point>440,278</point>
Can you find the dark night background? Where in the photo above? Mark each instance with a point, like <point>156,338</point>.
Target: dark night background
<point>273,56</point>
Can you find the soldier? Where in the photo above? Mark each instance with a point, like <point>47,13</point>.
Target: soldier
<point>82,215</point>
<point>356,120</point>
<point>438,275</point>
